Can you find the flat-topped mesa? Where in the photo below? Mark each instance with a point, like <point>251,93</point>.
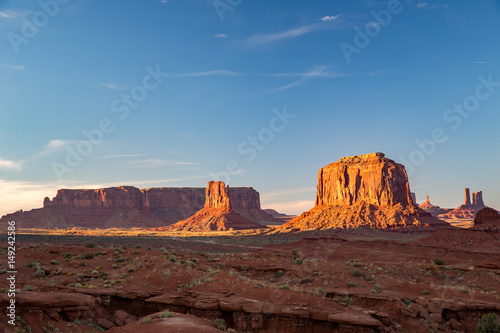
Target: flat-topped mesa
<point>364,191</point>
<point>371,178</point>
<point>122,197</point>
<point>487,219</point>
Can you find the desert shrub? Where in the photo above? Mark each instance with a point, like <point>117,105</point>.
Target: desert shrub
<point>166,314</point>
<point>489,324</point>
<point>172,258</point>
<point>29,287</point>
<point>320,292</point>
<point>220,324</point>
<point>100,253</point>
<point>356,273</point>
<point>137,246</point>
<point>464,291</point>
<point>231,330</point>
<point>352,285</point>
<point>299,261</point>
<point>357,264</point>
<point>346,301</point>
<point>40,273</point>
<point>305,280</point>
<point>244,268</point>
<point>439,261</point>
<point>424,292</point>
<point>284,287</point>
<point>146,320</point>
<point>189,263</point>
<point>280,273</point>
<point>95,272</point>
<point>3,271</point>
<point>88,256</point>
<point>376,289</point>
<point>54,262</point>
<point>103,274</point>
<point>80,278</point>
<point>90,244</point>
<point>295,252</point>
<point>120,259</point>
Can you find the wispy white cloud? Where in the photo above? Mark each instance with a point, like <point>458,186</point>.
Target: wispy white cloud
<point>15,67</point>
<point>330,18</point>
<point>53,146</point>
<point>208,73</point>
<point>259,39</point>
<point>10,165</point>
<point>14,14</point>
<point>156,163</point>
<point>120,156</point>
<point>317,72</point>
<point>111,86</point>
<point>220,36</point>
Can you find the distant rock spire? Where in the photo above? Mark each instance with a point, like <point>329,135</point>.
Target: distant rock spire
<point>467,196</point>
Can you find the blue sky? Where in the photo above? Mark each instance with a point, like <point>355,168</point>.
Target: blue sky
<point>262,89</point>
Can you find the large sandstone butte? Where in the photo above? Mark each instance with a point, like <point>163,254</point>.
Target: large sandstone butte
<point>364,191</point>
<point>469,209</point>
<point>127,207</point>
<point>487,219</point>
<point>222,211</point>
<point>432,209</point>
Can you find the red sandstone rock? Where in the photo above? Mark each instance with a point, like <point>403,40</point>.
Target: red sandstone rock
<point>219,213</point>
<point>487,219</point>
<point>127,206</point>
<point>432,209</point>
<point>367,190</point>
<point>468,210</point>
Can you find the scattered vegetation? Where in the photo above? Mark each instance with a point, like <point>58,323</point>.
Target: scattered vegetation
<point>220,324</point>
<point>166,314</point>
<point>489,324</point>
<point>299,261</point>
<point>439,261</point>
<point>357,273</point>
<point>146,320</point>
<point>90,244</point>
<point>424,292</point>
<point>352,285</point>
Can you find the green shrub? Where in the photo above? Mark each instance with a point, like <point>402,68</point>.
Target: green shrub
<point>244,268</point>
<point>166,314</point>
<point>3,271</point>
<point>284,287</point>
<point>280,273</point>
<point>88,256</point>
<point>439,261</point>
<point>352,285</point>
<point>54,262</point>
<point>376,289</point>
<point>489,324</point>
<point>320,292</point>
<point>146,320</point>
<point>29,287</point>
<point>346,301</point>
<point>90,244</point>
<point>299,261</point>
<point>305,280</point>
<point>424,292</point>
<point>220,324</point>
<point>356,273</point>
<point>464,291</point>
<point>137,246</point>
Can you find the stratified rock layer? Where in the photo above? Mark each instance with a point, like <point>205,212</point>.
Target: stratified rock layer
<point>468,210</point>
<point>128,206</point>
<point>221,211</point>
<point>487,219</point>
<point>364,191</point>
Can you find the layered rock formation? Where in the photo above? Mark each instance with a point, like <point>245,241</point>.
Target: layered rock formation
<point>128,206</point>
<point>364,191</point>
<point>469,209</point>
<point>432,209</point>
<point>222,211</point>
<point>487,219</point>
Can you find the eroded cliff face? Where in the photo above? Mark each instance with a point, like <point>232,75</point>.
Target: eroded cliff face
<point>370,178</point>
<point>225,209</point>
<point>128,206</point>
<point>487,219</point>
<point>364,191</point>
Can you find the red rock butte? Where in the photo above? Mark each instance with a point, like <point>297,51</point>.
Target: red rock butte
<point>432,209</point>
<point>469,209</point>
<point>364,191</point>
<point>222,211</point>
<point>128,207</point>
